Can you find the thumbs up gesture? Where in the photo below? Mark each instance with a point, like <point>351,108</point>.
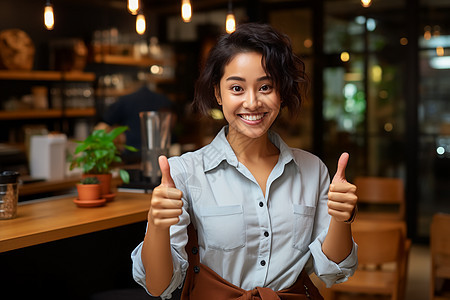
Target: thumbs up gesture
<point>166,203</point>
<point>342,194</point>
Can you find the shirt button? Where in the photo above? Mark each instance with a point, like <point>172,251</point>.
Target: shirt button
<point>263,263</point>
<point>196,269</point>
<point>266,234</point>
<point>261,204</point>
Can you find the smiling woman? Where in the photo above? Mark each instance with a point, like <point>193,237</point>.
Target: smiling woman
<point>265,215</point>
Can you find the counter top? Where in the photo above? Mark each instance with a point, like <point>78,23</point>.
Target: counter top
<point>47,220</point>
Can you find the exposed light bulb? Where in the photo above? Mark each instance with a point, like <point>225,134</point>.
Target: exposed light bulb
<point>186,10</point>
<point>133,6</point>
<point>49,19</point>
<point>230,23</point>
<point>140,24</point>
<point>366,3</point>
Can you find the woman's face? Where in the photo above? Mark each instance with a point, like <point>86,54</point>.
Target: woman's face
<point>250,102</point>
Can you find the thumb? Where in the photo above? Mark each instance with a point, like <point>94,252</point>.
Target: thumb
<point>166,179</point>
<point>342,164</point>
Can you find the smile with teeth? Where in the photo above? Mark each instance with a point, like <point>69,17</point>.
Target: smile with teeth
<point>252,117</point>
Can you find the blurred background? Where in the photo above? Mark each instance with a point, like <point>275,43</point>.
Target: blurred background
<point>379,72</point>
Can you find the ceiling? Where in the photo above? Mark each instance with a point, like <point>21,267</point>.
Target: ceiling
<point>334,6</point>
<point>161,6</point>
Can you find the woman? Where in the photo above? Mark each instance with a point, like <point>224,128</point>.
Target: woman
<point>265,214</point>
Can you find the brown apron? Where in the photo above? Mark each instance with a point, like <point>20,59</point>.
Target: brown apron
<point>202,283</point>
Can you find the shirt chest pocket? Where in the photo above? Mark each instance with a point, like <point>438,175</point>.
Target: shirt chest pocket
<point>224,227</point>
<point>303,225</point>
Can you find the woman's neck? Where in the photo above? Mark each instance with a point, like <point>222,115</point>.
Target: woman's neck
<point>259,155</point>
<point>248,149</point>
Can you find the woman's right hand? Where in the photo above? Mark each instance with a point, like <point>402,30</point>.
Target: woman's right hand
<point>166,204</point>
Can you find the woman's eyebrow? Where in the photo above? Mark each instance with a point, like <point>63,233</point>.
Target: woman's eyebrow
<point>237,78</point>
<point>264,78</point>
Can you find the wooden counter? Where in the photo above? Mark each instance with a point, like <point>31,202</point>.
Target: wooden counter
<point>48,220</point>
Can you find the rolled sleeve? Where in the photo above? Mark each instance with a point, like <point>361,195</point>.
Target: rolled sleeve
<point>180,266</point>
<point>138,270</point>
<point>328,271</point>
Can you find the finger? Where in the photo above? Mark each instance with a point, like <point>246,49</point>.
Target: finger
<point>342,164</point>
<point>166,213</point>
<point>166,222</point>
<point>162,192</point>
<point>342,197</point>
<point>166,178</point>
<point>340,206</point>
<point>342,187</point>
<point>167,203</point>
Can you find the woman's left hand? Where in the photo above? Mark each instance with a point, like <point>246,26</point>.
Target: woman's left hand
<point>342,194</point>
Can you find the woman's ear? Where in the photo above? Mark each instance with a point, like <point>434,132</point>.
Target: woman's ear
<point>217,94</point>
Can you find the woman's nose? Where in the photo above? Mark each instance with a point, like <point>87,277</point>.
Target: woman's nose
<point>251,101</point>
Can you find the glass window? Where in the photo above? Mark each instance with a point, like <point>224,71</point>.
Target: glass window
<point>363,107</point>
<point>434,112</point>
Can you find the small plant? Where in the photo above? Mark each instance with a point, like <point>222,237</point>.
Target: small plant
<point>97,153</point>
<point>90,180</point>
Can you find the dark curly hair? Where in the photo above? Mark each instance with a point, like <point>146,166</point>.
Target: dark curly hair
<point>278,60</point>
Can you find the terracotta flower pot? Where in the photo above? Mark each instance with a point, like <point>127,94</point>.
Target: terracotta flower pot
<point>88,192</point>
<point>105,182</point>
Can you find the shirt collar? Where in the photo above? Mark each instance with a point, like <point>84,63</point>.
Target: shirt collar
<point>219,150</point>
<point>286,154</point>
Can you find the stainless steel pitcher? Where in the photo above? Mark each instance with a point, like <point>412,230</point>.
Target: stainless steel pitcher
<point>155,136</point>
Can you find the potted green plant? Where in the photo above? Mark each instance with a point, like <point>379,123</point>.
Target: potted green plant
<point>89,189</point>
<point>97,154</point>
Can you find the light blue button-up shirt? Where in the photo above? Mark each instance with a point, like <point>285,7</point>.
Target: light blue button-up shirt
<point>248,238</point>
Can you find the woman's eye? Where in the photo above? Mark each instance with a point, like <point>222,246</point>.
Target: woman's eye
<point>236,89</point>
<point>265,88</point>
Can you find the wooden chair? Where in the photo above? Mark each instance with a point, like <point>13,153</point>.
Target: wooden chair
<point>382,270</point>
<point>380,197</point>
<point>440,257</point>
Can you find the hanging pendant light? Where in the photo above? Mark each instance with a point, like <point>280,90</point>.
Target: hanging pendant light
<point>49,18</point>
<point>186,10</point>
<point>140,23</point>
<point>230,23</point>
<point>366,3</point>
<point>133,7</point>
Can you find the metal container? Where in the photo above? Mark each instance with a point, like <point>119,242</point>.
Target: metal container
<point>9,194</point>
<point>155,136</point>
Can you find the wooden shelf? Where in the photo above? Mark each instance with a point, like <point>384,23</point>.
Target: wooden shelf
<point>46,114</point>
<point>126,60</point>
<point>46,75</point>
